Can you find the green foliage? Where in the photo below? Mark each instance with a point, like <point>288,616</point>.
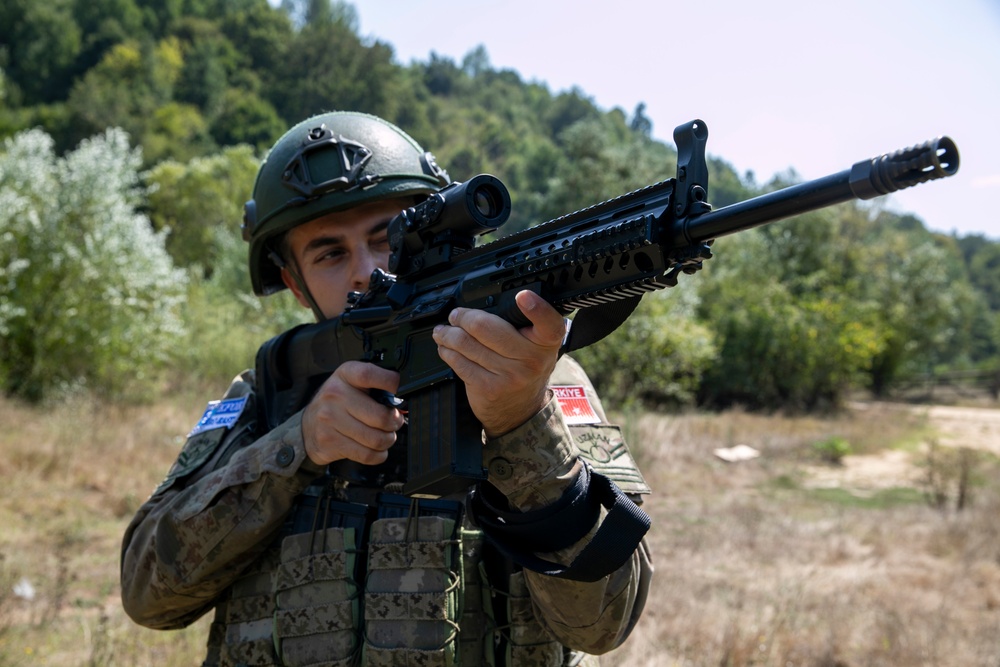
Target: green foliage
<point>90,296</point>
<point>833,449</point>
<point>568,109</point>
<point>104,23</point>
<point>775,350</point>
<point>246,119</point>
<point>261,34</point>
<point>983,260</point>
<point>332,47</point>
<point>189,202</point>
<point>209,58</point>
<point>41,41</point>
<point>657,358</point>
<point>176,131</point>
<point>225,323</point>
<point>132,88</point>
<point>807,308</point>
<point>921,302</point>
<point>602,159</point>
<point>789,331</point>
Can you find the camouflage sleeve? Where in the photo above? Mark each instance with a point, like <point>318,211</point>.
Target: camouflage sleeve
<point>533,466</point>
<point>221,504</point>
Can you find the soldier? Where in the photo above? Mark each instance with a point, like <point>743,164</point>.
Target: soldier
<point>304,567</point>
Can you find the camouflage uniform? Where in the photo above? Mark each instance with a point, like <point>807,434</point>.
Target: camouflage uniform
<point>303,569</point>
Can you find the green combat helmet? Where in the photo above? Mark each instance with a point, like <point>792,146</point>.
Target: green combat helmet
<point>325,164</point>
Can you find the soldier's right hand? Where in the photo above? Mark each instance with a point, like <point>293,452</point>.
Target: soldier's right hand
<point>343,421</point>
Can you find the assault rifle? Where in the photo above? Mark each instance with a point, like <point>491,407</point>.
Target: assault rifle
<point>598,261</point>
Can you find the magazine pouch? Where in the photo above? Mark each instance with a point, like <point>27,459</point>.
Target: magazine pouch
<point>316,599</point>
<point>249,617</point>
<point>412,592</point>
<point>528,643</point>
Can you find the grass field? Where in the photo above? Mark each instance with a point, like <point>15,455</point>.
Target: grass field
<point>782,560</point>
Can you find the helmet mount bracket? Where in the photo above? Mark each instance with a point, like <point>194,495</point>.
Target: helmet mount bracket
<point>352,157</point>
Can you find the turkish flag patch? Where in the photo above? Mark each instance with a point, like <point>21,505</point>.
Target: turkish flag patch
<point>575,405</point>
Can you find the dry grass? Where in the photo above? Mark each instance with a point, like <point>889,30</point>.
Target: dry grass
<point>72,478</point>
<point>753,566</point>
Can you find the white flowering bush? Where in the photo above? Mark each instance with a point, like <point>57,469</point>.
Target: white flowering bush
<point>89,296</point>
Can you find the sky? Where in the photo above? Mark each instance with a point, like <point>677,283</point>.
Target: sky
<point>813,86</point>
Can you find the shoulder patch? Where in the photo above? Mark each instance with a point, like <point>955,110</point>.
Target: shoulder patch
<point>220,414</point>
<point>575,405</point>
<point>604,447</point>
<point>204,438</point>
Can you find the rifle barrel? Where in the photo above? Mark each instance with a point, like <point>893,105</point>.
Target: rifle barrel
<point>937,158</point>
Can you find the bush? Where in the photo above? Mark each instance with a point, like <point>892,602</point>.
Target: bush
<point>88,295</point>
<point>833,449</point>
<point>657,358</point>
<point>225,321</point>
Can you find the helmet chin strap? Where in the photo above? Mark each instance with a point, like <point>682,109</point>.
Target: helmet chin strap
<point>293,271</point>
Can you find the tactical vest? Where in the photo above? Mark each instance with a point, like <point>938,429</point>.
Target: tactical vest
<point>386,582</point>
<point>364,576</point>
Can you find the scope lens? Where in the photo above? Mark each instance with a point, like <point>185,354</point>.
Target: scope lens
<point>486,203</point>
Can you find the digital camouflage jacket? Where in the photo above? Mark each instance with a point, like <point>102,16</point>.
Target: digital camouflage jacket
<point>303,569</point>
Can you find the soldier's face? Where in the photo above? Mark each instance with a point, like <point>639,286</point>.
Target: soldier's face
<point>337,253</point>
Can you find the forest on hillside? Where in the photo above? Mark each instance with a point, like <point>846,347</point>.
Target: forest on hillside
<point>131,132</point>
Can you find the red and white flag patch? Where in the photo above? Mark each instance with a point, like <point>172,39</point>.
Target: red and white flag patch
<point>576,407</point>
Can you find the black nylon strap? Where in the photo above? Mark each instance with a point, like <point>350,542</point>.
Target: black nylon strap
<point>551,528</point>
<point>592,324</point>
<point>611,547</point>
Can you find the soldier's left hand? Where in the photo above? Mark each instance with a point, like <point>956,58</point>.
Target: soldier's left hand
<point>505,369</point>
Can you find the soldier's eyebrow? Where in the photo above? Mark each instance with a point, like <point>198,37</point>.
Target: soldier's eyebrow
<point>380,226</point>
<point>333,239</point>
<point>320,242</point>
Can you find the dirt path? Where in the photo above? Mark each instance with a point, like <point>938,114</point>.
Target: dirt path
<point>975,428</point>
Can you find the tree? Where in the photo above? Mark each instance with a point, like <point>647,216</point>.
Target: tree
<point>328,68</point>
<point>568,109</point>
<point>922,300</point>
<point>792,327</point>
<point>189,201</point>
<point>42,40</point>
<point>104,23</point>
<point>315,12</point>
<point>441,75</point>
<point>602,159</point>
<point>476,62</point>
<point>209,57</point>
<point>808,307</point>
<point>657,358</point>
<point>90,296</point>
<point>262,35</point>
<point>246,119</point>
<point>983,259</point>
<point>126,88</point>
<point>176,131</point>
<point>640,123</point>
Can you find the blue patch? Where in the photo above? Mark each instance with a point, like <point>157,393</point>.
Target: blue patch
<point>220,414</point>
